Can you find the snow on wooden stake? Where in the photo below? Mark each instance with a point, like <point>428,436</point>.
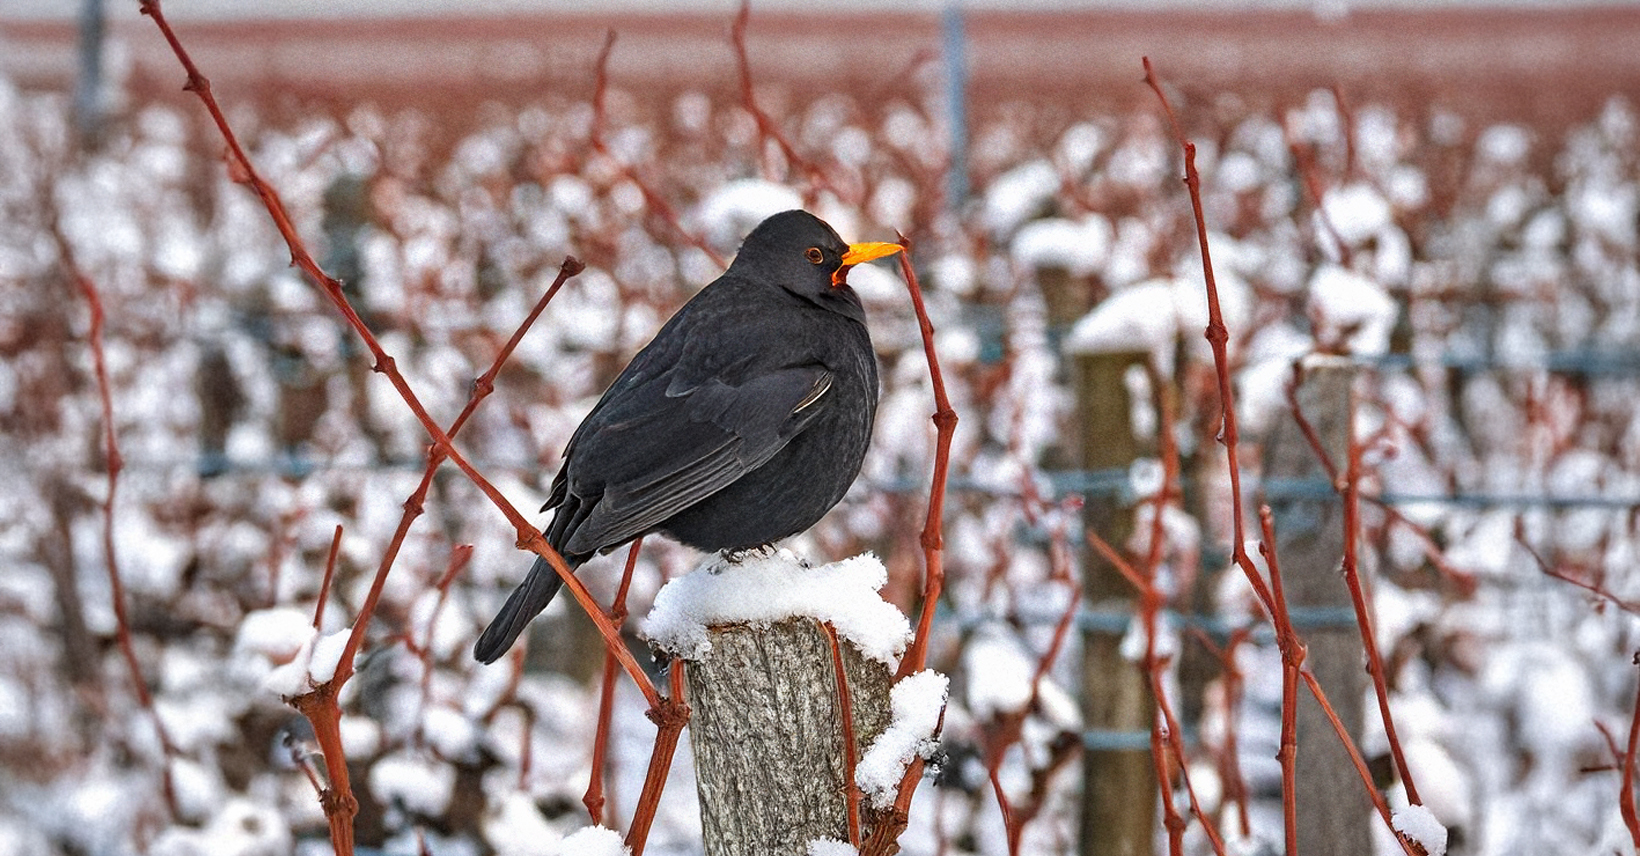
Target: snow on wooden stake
<point>774,758</point>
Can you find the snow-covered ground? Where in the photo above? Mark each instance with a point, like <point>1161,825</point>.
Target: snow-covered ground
<point>1486,280</point>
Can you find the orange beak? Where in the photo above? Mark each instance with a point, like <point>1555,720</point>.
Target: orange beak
<point>865,252</point>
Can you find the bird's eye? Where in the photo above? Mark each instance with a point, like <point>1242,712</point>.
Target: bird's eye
<point>814,255</point>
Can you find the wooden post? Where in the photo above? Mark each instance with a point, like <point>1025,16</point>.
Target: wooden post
<point>1118,777</point>
<point>1334,812</point>
<point>767,736</point>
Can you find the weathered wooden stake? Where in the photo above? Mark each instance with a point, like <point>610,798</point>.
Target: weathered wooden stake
<point>1334,813</point>
<point>767,736</point>
<point>1118,776</point>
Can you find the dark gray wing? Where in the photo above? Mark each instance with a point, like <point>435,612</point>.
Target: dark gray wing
<point>659,450</point>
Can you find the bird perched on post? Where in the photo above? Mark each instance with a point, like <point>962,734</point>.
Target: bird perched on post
<point>743,421</point>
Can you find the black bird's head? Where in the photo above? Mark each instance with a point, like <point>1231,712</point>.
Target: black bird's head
<point>802,254</point>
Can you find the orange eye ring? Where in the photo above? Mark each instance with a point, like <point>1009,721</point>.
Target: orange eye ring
<point>814,255</point>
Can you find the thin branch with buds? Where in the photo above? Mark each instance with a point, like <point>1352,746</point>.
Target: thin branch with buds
<point>1217,337</point>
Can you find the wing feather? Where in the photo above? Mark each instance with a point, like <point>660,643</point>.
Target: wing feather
<point>685,445</point>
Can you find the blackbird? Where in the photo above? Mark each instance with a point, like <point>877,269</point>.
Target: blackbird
<point>743,421</point>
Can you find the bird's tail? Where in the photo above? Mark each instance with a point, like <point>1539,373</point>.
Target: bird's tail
<point>526,602</point>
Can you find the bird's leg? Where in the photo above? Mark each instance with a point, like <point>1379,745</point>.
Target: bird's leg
<point>745,554</point>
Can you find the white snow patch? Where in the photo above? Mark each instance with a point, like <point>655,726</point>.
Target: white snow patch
<point>313,663</point>
<point>1137,318</point>
<point>738,206</point>
<point>831,847</point>
<point>1079,246</point>
<point>420,785</point>
<point>291,679</point>
<point>916,703</point>
<point>1356,212</point>
<point>763,590</point>
<point>275,633</point>
<point>452,735</point>
<point>241,828</point>
<point>1349,307</point>
<point>1504,144</point>
<point>1136,639</point>
<point>999,675</point>
<point>327,654</point>
<point>1151,316</point>
<point>517,828</point>
<point>1420,826</point>
<point>593,841</point>
<point>1018,195</point>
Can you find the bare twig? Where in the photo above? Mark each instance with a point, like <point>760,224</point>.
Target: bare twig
<point>1292,660</point>
<point>1363,615</point>
<point>1217,337</point>
<point>113,462</point>
<point>1593,588</point>
<point>845,714</point>
<point>655,201</point>
<point>330,576</point>
<point>1229,757</point>
<point>670,716</point>
<point>1625,800</point>
<point>240,165</point>
<point>1165,740</point>
<point>767,128</point>
<point>594,798</point>
<point>945,425</point>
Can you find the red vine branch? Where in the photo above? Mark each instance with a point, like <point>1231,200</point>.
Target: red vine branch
<point>114,463</point>
<point>594,799</point>
<point>1218,337</point>
<point>945,426</point>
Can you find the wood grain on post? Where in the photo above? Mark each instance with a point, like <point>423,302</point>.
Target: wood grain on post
<point>1334,814</point>
<point>1118,782</point>
<point>767,736</point>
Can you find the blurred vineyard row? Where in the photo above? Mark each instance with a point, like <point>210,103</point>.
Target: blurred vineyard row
<point>1482,278</point>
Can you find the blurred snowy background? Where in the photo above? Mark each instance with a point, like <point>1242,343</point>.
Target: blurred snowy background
<point>1471,248</point>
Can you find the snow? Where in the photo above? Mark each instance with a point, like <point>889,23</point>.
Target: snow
<point>830,847</point>
<point>1019,195</point>
<point>241,828</point>
<point>1502,259</point>
<point>1137,318</point>
<point>276,633</point>
<point>516,828</point>
<point>1351,310</point>
<point>733,209</point>
<point>763,590</point>
<point>1136,641</point>
<point>1079,246</point>
<point>917,703</point>
<point>1356,212</point>
<point>999,675</point>
<point>327,655</point>
<point>418,784</point>
<point>290,679</point>
<point>1154,316</point>
<point>1418,825</point>
<point>593,841</point>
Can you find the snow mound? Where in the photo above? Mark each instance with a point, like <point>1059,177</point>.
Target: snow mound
<point>916,703</point>
<point>1419,826</point>
<point>1019,195</point>
<point>1079,246</point>
<point>593,841</point>
<point>1351,310</point>
<point>761,591</point>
